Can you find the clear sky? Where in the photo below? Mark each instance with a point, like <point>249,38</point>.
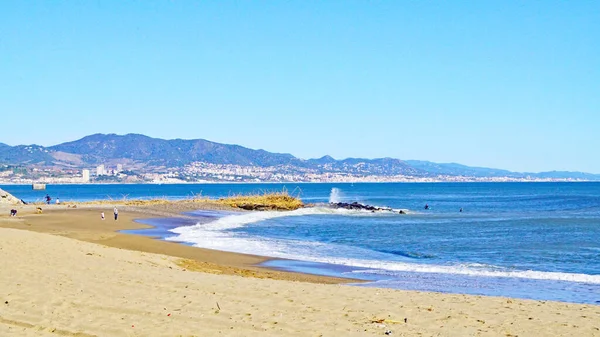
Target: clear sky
<point>504,84</point>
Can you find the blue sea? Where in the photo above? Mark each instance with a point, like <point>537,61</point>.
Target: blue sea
<point>526,240</point>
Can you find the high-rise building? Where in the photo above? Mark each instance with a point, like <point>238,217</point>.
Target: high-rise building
<point>85,174</point>
<point>100,170</point>
<point>119,167</point>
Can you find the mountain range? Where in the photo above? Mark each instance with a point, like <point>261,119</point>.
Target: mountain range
<point>145,152</point>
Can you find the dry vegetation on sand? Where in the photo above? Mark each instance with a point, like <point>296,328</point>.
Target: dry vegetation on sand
<point>280,201</point>
<point>271,201</point>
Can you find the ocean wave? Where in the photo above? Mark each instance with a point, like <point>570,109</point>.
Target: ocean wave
<point>240,220</point>
<point>326,253</point>
<point>595,249</point>
<point>412,255</point>
<point>218,235</point>
<point>388,268</point>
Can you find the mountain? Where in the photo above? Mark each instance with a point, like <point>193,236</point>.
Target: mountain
<point>24,154</point>
<point>453,169</point>
<point>323,160</point>
<point>152,154</point>
<point>380,166</point>
<point>566,175</point>
<point>98,148</point>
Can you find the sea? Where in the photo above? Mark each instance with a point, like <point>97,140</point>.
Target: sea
<point>536,241</point>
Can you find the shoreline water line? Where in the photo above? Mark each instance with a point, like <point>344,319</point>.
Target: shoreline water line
<point>545,233</point>
<point>190,233</point>
<point>450,279</point>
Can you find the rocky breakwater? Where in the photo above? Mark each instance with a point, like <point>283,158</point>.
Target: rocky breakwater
<point>9,199</point>
<point>357,206</point>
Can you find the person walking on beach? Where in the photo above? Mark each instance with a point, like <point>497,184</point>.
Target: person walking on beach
<point>102,215</point>
<point>48,199</point>
<point>116,212</point>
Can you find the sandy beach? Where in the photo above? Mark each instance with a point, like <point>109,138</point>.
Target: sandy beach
<point>66,272</point>
<point>84,223</point>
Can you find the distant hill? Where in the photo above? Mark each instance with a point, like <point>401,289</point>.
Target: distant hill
<point>566,175</point>
<point>380,166</point>
<point>453,169</point>
<point>144,151</point>
<point>24,154</point>
<point>98,148</point>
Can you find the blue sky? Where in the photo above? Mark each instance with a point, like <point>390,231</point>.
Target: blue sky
<point>506,84</point>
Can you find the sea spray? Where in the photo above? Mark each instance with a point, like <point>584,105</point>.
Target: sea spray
<point>335,195</point>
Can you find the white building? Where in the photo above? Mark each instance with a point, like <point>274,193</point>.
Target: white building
<point>85,174</point>
<point>119,168</point>
<point>100,171</point>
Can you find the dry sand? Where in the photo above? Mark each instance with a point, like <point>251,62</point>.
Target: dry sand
<point>85,224</point>
<point>60,285</point>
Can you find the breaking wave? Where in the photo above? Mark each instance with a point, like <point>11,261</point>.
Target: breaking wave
<point>240,220</point>
<point>218,235</point>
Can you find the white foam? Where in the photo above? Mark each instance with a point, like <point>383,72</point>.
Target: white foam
<point>216,235</point>
<point>335,195</point>
<point>240,220</point>
<point>490,271</point>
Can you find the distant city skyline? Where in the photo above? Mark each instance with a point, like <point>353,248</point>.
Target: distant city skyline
<point>499,84</point>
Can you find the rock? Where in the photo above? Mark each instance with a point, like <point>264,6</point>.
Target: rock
<point>8,199</point>
<point>356,206</point>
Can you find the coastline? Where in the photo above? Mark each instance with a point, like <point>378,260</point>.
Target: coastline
<point>70,273</point>
<point>441,181</point>
<point>83,223</point>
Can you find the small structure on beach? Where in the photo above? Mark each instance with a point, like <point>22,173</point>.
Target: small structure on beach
<point>38,186</point>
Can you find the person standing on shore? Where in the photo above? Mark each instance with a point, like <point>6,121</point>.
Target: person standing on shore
<point>116,212</point>
<point>102,215</point>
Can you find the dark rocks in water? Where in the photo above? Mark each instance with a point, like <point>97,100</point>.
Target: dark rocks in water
<point>356,206</point>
